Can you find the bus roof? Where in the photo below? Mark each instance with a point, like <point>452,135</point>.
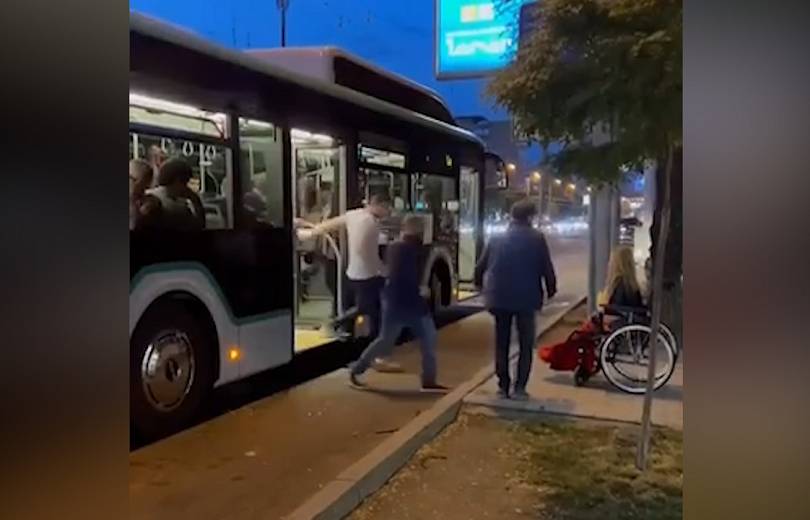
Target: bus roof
<point>335,65</point>
<point>159,30</point>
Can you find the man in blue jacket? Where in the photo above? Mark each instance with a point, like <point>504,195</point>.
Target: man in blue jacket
<point>404,306</point>
<point>512,270</point>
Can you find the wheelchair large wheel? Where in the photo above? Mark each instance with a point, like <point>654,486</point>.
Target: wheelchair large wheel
<point>673,341</point>
<point>624,358</point>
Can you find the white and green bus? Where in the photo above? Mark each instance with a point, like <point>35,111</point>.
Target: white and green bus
<point>275,139</point>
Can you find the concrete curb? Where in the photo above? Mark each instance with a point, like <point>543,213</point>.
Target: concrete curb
<point>492,408</point>
<point>345,492</point>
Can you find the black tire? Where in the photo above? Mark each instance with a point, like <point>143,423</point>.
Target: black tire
<point>622,380</point>
<point>673,341</point>
<point>436,292</point>
<point>170,323</point>
<point>581,376</point>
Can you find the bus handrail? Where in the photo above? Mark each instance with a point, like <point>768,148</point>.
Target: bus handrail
<point>339,261</point>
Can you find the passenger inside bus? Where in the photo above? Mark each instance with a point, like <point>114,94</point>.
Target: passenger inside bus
<point>254,202</point>
<point>181,208</point>
<point>156,156</point>
<point>144,209</point>
<point>316,255</point>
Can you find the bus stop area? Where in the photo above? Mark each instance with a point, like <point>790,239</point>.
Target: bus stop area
<point>555,392</point>
<point>276,456</point>
<point>266,459</point>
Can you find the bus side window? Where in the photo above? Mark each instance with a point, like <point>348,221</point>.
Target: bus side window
<point>437,195</point>
<point>209,182</point>
<point>262,181</point>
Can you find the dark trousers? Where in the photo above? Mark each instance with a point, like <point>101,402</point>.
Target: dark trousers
<point>503,337</point>
<point>367,295</point>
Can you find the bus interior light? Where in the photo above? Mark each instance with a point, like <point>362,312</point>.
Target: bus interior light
<point>148,102</point>
<point>303,135</point>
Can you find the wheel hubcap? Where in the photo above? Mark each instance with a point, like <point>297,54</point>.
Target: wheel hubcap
<point>167,370</point>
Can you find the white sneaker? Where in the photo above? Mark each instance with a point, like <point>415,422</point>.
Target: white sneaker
<point>383,365</point>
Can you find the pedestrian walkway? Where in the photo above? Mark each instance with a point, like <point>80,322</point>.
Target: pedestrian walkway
<point>555,392</point>
<point>265,459</point>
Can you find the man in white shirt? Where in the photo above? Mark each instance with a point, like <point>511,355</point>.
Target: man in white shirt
<point>366,271</point>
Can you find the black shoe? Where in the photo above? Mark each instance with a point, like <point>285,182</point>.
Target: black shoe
<point>503,394</point>
<point>355,381</point>
<point>520,395</point>
<point>435,388</point>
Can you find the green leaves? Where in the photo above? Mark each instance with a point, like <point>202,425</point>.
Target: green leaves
<point>617,62</point>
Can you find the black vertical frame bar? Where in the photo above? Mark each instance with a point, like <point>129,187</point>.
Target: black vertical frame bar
<point>481,224</point>
<point>237,192</point>
<point>287,180</point>
<point>455,156</point>
<point>353,195</point>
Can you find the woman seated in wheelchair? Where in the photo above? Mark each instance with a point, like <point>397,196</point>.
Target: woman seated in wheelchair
<point>621,294</point>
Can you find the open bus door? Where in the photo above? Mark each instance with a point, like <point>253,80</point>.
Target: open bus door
<point>319,164</point>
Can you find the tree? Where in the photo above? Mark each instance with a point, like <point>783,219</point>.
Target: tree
<point>603,79</point>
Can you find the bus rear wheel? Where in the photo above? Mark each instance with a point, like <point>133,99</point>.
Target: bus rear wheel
<point>171,369</point>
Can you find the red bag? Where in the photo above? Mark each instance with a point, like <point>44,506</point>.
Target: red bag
<point>580,347</point>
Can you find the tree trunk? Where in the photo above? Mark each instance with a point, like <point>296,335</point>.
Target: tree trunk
<point>671,312</point>
<point>657,286</point>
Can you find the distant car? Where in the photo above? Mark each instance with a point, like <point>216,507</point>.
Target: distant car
<point>627,230</point>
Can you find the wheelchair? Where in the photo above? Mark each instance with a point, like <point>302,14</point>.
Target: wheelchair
<point>620,349</point>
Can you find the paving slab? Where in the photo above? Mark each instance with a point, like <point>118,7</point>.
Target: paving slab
<point>555,392</point>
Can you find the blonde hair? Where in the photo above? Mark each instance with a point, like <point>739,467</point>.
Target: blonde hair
<point>621,270</point>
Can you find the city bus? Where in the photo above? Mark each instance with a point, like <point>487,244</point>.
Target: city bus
<point>273,149</point>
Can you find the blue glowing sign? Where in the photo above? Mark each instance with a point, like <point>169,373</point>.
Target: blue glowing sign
<point>475,37</point>
<point>638,183</point>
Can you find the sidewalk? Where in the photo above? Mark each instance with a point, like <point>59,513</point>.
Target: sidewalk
<point>267,458</point>
<point>555,392</point>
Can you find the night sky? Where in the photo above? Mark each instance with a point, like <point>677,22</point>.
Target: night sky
<point>395,34</point>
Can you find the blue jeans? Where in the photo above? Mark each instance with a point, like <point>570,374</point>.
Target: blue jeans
<point>392,326</point>
<point>503,337</point>
<point>366,295</point>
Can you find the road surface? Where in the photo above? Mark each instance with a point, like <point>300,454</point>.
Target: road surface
<point>266,457</point>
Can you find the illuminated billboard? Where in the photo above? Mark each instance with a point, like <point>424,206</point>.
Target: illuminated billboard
<point>475,37</point>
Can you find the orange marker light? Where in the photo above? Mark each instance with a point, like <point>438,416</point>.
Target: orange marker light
<point>234,354</point>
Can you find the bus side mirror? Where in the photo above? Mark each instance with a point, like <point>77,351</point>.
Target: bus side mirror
<point>496,174</point>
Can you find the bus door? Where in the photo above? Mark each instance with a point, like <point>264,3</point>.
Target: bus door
<point>319,163</point>
<point>470,212</point>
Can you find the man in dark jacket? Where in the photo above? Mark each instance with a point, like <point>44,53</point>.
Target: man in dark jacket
<point>181,207</point>
<point>404,306</point>
<point>510,271</point>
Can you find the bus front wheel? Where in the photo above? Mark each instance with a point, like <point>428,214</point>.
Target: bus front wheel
<point>171,369</point>
<point>436,292</point>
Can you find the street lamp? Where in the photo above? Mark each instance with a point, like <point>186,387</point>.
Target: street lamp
<point>536,177</point>
<point>557,182</point>
<point>511,167</point>
<point>283,5</point>
<point>572,187</point>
